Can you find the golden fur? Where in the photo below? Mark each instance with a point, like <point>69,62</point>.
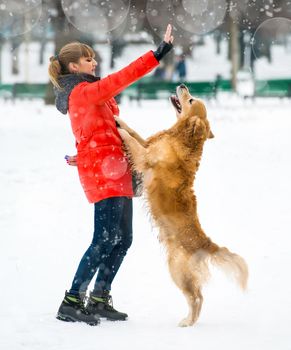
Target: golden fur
<point>169,161</point>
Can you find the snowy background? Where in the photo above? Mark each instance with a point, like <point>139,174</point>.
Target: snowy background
<point>203,65</point>
<point>243,190</point>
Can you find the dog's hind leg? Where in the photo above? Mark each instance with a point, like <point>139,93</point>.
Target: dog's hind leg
<point>195,300</point>
<point>186,280</point>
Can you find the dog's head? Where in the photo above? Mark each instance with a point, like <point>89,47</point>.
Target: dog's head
<point>187,107</point>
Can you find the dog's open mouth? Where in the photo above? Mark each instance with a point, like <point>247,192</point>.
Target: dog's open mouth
<point>176,103</point>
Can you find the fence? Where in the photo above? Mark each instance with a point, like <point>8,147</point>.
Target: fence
<point>147,88</point>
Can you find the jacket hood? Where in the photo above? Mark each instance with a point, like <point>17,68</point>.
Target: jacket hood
<point>68,82</point>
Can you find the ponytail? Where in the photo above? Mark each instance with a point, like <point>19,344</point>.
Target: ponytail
<point>55,71</point>
<point>59,64</point>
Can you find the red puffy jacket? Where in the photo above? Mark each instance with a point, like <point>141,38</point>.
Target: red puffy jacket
<point>102,165</point>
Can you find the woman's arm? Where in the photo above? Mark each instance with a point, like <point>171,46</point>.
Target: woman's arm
<point>106,88</point>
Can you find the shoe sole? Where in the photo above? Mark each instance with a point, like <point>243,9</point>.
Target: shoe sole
<point>113,319</point>
<point>108,318</point>
<point>72,319</point>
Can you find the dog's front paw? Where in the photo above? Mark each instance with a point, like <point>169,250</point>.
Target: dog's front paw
<point>121,123</point>
<point>123,133</point>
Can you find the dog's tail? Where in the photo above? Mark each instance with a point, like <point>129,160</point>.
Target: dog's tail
<point>232,264</point>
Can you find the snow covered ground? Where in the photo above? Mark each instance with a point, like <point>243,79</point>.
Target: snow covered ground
<point>243,189</point>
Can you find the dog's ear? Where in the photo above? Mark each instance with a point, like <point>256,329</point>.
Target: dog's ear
<point>201,127</point>
<point>195,126</point>
<point>210,134</point>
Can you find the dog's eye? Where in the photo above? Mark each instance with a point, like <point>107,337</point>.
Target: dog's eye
<point>191,100</point>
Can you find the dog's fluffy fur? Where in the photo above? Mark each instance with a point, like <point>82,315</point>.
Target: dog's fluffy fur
<point>169,161</point>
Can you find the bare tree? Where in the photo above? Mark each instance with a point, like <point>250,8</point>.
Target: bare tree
<point>64,32</point>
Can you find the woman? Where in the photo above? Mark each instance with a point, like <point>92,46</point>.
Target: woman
<point>103,170</point>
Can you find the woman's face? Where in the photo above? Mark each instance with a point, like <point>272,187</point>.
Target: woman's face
<point>85,65</point>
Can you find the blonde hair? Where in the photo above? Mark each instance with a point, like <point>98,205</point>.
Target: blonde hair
<point>59,64</point>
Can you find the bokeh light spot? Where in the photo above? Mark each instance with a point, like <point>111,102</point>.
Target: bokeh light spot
<point>18,16</point>
<point>98,16</point>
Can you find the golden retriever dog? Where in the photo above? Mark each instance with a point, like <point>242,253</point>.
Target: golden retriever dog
<point>169,161</point>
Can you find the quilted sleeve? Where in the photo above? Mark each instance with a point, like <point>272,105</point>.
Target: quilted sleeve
<point>106,88</point>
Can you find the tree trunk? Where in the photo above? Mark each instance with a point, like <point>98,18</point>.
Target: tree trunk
<point>15,56</point>
<point>64,33</point>
<point>234,52</point>
<point>0,60</point>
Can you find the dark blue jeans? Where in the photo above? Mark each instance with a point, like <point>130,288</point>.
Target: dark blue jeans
<point>111,240</point>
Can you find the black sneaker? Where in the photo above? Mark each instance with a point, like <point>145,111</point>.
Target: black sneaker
<point>72,309</point>
<point>102,306</point>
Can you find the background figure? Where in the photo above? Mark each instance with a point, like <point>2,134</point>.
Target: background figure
<point>180,67</point>
<point>98,58</point>
<point>160,72</point>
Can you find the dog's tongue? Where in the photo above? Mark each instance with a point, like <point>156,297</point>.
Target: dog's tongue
<point>176,103</point>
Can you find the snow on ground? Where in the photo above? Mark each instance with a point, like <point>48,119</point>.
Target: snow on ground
<point>243,190</point>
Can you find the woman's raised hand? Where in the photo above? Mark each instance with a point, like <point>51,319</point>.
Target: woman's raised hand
<point>168,38</point>
<point>166,45</point>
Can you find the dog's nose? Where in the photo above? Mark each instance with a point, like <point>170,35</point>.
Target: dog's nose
<point>182,86</point>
